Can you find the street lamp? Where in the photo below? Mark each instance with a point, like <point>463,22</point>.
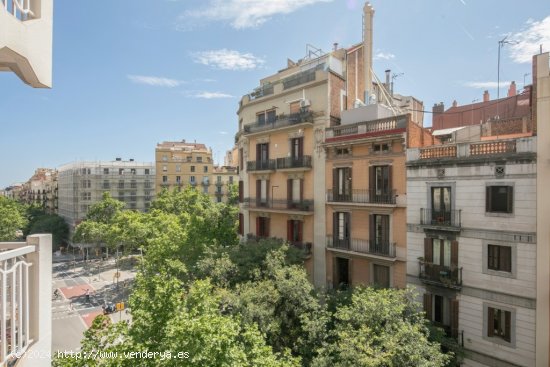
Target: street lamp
<point>272,187</point>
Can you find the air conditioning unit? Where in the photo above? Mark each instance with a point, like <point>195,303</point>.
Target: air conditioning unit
<point>305,103</point>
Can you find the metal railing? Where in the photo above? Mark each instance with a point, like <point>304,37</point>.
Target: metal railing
<point>280,121</point>
<point>283,204</point>
<point>444,218</point>
<point>493,147</point>
<point>267,165</point>
<point>362,197</point>
<point>366,127</point>
<point>21,9</point>
<point>438,152</point>
<point>294,162</point>
<point>362,246</point>
<point>448,276</point>
<point>304,246</point>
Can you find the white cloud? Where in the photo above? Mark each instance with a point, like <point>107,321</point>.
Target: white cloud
<point>486,85</point>
<point>246,13</point>
<point>211,95</point>
<point>228,59</point>
<point>384,56</point>
<point>529,40</point>
<point>155,81</point>
<point>223,132</point>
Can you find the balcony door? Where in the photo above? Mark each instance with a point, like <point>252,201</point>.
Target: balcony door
<point>441,205</point>
<point>341,184</point>
<point>379,241</point>
<point>342,272</point>
<point>262,192</point>
<point>294,231</point>
<point>441,258</point>
<point>297,148</point>
<point>295,192</point>
<point>380,183</point>
<point>341,229</point>
<point>262,156</point>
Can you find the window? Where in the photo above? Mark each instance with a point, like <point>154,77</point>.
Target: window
<point>178,168</point>
<point>178,179</point>
<point>262,152</point>
<point>121,184</point>
<point>132,205</point>
<point>294,107</point>
<point>133,196</point>
<point>192,179</point>
<point>378,148</point>
<point>86,184</point>
<point>164,179</point>
<point>381,275</point>
<point>133,171</point>
<point>297,148</point>
<point>121,195</point>
<point>241,191</point>
<point>86,171</point>
<point>294,192</point>
<point>499,258</point>
<point>380,184</point>
<point>441,252</point>
<point>105,171</point>
<point>146,171</point>
<point>164,168</point>
<point>262,227</point>
<point>106,184</point>
<point>441,205</point>
<point>86,196</point>
<point>199,159</point>
<point>219,179</point>
<point>294,231</point>
<point>147,184</point>
<point>341,184</point>
<point>499,199</point>
<point>342,270</point>
<point>219,199</point>
<point>133,184</point>
<point>341,229</point>
<point>231,179</point>
<point>121,171</point>
<point>342,152</point>
<point>241,158</point>
<point>271,116</point>
<point>189,158</point>
<point>261,192</point>
<point>205,169</point>
<point>260,118</point>
<point>379,234</point>
<point>499,324</point>
<point>164,158</point>
<point>241,224</point>
<point>192,168</point>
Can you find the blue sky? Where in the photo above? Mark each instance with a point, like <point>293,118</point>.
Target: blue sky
<point>128,74</point>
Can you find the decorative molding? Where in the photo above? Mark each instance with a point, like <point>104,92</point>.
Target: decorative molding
<point>296,134</point>
<point>319,138</point>
<point>262,139</point>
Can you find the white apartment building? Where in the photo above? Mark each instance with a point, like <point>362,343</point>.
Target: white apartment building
<point>472,243</point>
<point>81,184</point>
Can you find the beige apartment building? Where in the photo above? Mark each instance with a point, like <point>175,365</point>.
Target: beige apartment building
<point>41,190</point>
<point>366,196</point>
<point>179,164</point>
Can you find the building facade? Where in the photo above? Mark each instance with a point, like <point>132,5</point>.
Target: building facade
<point>224,177</point>
<point>41,190</point>
<point>26,40</point>
<point>81,184</point>
<point>472,243</point>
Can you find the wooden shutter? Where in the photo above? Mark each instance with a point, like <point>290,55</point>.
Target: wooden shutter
<point>258,234</point>
<point>372,182</point>
<point>289,191</point>
<point>490,321</point>
<point>300,147</point>
<point>334,228</point>
<point>241,191</point>
<point>454,253</point>
<point>372,229</point>
<point>334,183</point>
<point>510,204</point>
<point>507,325</point>
<point>241,159</point>
<point>300,231</point>
<point>488,199</point>
<point>428,250</point>
<point>454,318</point>
<point>294,107</point>
<point>267,193</point>
<point>258,192</point>
<point>348,184</point>
<point>241,224</point>
<point>505,258</point>
<point>267,224</point>
<point>301,190</point>
<point>258,152</point>
<point>266,151</point>
<point>347,224</point>
<point>385,228</point>
<point>390,179</point>
<point>428,305</point>
<point>289,228</point>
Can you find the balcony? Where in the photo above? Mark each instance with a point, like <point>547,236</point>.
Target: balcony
<point>362,197</point>
<point>279,204</point>
<point>280,121</point>
<point>25,301</point>
<point>304,246</point>
<point>26,40</point>
<point>205,183</point>
<point>449,219</point>
<point>386,249</point>
<point>294,162</point>
<point>366,129</point>
<point>219,183</point>
<point>446,276</point>
<point>267,165</point>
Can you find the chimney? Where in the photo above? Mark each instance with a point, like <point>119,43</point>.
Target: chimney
<point>388,72</point>
<point>512,90</point>
<point>438,108</point>
<point>335,44</point>
<point>486,97</point>
<point>118,159</point>
<point>368,15</point>
<point>455,103</point>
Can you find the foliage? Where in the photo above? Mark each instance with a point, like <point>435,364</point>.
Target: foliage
<point>50,223</point>
<point>12,219</point>
<point>381,327</point>
<point>233,194</point>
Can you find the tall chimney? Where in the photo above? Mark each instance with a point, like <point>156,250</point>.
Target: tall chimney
<point>455,103</point>
<point>335,44</point>
<point>486,97</point>
<point>388,72</point>
<point>368,15</point>
<point>512,90</point>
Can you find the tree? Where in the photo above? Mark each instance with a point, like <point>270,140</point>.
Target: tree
<point>381,327</point>
<point>50,223</point>
<point>12,219</point>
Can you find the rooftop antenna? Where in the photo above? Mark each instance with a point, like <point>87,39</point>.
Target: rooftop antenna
<point>501,44</point>
<point>393,77</point>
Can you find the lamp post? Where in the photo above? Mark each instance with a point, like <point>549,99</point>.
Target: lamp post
<point>272,187</point>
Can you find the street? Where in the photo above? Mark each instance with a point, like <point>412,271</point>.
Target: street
<point>72,313</point>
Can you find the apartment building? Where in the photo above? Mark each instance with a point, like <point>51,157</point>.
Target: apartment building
<point>224,177</point>
<point>366,196</point>
<point>179,163</point>
<point>26,40</point>
<point>82,184</point>
<point>472,242</point>
<point>41,190</point>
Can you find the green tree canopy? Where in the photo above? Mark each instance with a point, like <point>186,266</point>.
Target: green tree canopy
<point>12,219</point>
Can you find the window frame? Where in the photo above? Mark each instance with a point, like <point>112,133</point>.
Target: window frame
<point>497,339</point>
<point>513,259</point>
<point>510,201</point>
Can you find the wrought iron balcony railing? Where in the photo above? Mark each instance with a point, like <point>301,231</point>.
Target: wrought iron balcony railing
<point>440,218</point>
<point>362,196</point>
<point>280,121</point>
<point>267,165</point>
<point>362,246</point>
<point>447,276</point>
<point>294,162</point>
<point>282,204</point>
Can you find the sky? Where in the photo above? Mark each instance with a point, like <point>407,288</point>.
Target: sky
<point>129,74</point>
